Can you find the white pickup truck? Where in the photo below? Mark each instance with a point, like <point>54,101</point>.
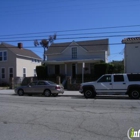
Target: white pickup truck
<point>113,84</point>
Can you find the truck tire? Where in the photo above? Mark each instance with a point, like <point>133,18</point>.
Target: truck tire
<point>89,93</point>
<point>134,93</point>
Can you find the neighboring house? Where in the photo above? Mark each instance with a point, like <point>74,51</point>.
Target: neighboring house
<point>132,55</point>
<point>17,62</point>
<point>69,58</point>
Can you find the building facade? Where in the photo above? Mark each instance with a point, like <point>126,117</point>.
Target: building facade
<point>131,55</point>
<point>17,62</point>
<point>70,58</point>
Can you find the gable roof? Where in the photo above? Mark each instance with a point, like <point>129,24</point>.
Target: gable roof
<point>131,40</point>
<point>89,46</point>
<point>23,52</point>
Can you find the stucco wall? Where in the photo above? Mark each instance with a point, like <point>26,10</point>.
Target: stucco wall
<point>132,58</point>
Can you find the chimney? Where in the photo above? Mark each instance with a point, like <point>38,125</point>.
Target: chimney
<point>20,45</point>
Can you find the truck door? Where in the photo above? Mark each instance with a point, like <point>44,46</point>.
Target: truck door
<point>104,84</point>
<point>119,83</point>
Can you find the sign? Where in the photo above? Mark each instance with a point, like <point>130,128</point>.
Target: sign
<point>83,64</point>
<point>132,133</point>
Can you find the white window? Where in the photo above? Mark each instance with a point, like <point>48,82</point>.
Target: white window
<point>11,72</point>
<point>2,73</point>
<point>74,52</point>
<point>34,72</point>
<point>24,72</point>
<point>3,55</point>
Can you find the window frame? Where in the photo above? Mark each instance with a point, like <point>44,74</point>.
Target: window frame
<point>24,73</point>
<point>33,84</point>
<point>41,84</point>
<point>98,81</point>
<point>10,72</point>
<point>35,72</point>
<point>74,52</point>
<point>3,73</point>
<point>118,76</point>
<point>2,55</point>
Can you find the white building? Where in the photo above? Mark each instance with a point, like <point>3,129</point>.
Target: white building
<point>17,62</point>
<point>68,58</point>
<point>132,55</point>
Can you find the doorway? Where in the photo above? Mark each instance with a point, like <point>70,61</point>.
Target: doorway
<point>73,71</point>
<point>57,69</point>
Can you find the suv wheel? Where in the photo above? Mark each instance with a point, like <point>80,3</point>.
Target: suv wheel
<point>47,93</point>
<point>89,93</point>
<point>20,92</point>
<point>134,94</point>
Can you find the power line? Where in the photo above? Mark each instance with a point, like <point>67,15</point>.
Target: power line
<point>72,38</point>
<point>98,28</point>
<point>81,35</point>
<point>74,34</point>
<point>79,45</point>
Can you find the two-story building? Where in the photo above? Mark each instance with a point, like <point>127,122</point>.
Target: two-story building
<point>69,58</point>
<point>131,55</point>
<point>17,62</point>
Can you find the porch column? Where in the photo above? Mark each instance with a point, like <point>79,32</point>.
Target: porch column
<point>65,69</point>
<point>83,66</point>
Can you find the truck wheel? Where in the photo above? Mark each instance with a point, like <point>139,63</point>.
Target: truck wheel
<point>89,93</point>
<point>134,94</point>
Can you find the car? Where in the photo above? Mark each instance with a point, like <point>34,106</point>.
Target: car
<point>46,88</point>
<point>113,84</point>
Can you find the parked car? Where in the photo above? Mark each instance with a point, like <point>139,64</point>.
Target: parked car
<point>112,84</point>
<point>46,88</point>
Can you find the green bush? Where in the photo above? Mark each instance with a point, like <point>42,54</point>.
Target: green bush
<point>41,72</point>
<point>100,69</point>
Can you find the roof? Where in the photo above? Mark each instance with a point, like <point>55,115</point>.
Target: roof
<point>131,40</point>
<point>23,52</point>
<point>90,46</point>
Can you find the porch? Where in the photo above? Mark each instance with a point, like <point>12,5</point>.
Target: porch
<point>78,70</point>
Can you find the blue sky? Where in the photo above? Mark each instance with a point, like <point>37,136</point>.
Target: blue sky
<point>37,19</point>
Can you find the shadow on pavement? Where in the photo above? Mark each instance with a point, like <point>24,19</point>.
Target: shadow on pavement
<point>124,97</point>
<point>99,97</point>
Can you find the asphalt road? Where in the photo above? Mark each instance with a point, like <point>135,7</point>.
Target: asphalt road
<point>67,117</point>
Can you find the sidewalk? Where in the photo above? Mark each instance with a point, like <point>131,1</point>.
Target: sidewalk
<point>11,91</point>
<point>7,91</point>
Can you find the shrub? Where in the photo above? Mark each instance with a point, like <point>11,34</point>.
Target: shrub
<point>41,72</point>
<point>100,69</point>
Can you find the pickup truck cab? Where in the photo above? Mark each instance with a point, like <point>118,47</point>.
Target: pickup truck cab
<point>113,84</point>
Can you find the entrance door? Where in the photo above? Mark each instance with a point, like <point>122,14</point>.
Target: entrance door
<point>57,69</point>
<point>73,71</point>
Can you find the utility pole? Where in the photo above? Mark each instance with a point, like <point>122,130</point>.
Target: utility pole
<point>45,43</point>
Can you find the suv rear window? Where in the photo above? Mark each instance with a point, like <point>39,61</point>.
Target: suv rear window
<point>118,78</point>
<point>133,77</point>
